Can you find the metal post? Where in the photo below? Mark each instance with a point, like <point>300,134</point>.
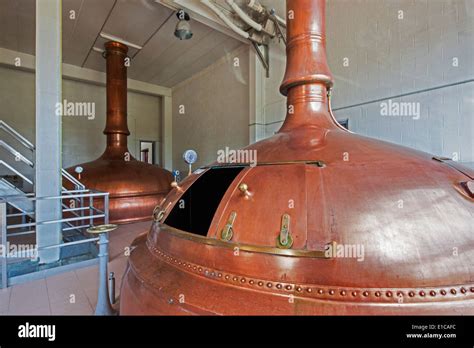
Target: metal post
<point>91,211</point>
<point>103,304</point>
<point>106,209</point>
<point>3,232</point>
<point>81,203</point>
<point>112,287</point>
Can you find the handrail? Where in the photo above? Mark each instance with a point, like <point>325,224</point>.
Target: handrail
<point>15,153</point>
<point>56,221</point>
<point>16,172</point>
<point>66,223</point>
<point>92,193</point>
<point>25,142</point>
<point>29,145</point>
<point>72,179</point>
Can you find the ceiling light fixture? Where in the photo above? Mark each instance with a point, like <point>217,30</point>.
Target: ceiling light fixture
<point>183,27</point>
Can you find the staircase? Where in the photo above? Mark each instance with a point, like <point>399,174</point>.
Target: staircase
<point>24,205</point>
<point>21,202</point>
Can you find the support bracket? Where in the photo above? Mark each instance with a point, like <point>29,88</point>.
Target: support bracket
<point>263,57</point>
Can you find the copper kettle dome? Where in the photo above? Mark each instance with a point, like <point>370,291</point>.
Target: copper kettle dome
<point>135,187</point>
<point>328,222</point>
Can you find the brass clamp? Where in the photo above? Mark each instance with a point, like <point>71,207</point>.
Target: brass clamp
<point>284,239</point>
<point>227,231</point>
<point>158,214</point>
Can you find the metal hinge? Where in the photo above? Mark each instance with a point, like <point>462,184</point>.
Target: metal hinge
<point>227,231</point>
<point>284,239</point>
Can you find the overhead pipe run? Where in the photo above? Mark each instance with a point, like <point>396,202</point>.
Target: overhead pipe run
<point>270,31</point>
<point>255,5</point>
<point>244,16</point>
<point>226,20</point>
<point>258,34</point>
<point>278,20</point>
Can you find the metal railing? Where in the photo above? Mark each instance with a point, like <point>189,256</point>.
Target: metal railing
<point>19,157</point>
<point>16,172</point>
<point>15,153</point>
<point>76,183</point>
<point>10,130</point>
<point>89,214</point>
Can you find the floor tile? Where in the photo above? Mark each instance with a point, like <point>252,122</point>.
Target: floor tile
<point>29,296</point>
<point>4,300</point>
<point>52,295</point>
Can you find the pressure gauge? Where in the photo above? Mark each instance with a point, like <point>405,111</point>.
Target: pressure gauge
<point>190,156</point>
<point>79,170</point>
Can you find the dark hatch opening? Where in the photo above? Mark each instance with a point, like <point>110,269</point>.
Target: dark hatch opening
<point>194,211</point>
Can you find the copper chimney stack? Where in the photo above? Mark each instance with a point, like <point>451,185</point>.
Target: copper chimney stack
<point>327,223</point>
<point>116,128</point>
<point>135,187</point>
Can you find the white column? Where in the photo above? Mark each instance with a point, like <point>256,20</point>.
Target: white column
<point>167,133</point>
<point>48,124</point>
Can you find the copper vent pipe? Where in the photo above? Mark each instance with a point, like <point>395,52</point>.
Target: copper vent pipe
<point>116,127</point>
<point>307,77</point>
<point>306,61</point>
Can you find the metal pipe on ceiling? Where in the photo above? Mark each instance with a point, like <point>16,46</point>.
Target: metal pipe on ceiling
<point>280,20</point>
<point>244,16</point>
<point>255,5</point>
<point>225,19</point>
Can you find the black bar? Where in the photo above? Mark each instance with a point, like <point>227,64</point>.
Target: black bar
<point>290,331</point>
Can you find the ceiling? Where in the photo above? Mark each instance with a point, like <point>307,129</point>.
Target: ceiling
<point>164,60</point>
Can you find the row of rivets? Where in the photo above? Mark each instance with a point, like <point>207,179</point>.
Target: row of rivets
<point>290,287</point>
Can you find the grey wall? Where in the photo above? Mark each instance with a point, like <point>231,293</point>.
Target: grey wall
<point>82,138</point>
<point>17,108</point>
<point>216,110</point>
<point>388,57</point>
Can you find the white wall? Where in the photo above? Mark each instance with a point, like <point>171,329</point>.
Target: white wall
<point>388,57</point>
<point>82,138</point>
<point>216,110</point>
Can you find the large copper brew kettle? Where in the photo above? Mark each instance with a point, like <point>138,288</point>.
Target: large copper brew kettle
<point>135,187</point>
<point>284,237</point>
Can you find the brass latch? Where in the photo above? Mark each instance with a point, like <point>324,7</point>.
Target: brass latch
<point>243,187</point>
<point>158,214</point>
<point>284,239</point>
<point>227,231</point>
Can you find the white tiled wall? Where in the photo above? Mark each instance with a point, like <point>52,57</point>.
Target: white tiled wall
<point>216,104</point>
<point>388,57</point>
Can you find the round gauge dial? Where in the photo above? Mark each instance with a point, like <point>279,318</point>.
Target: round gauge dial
<point>190,156</point>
